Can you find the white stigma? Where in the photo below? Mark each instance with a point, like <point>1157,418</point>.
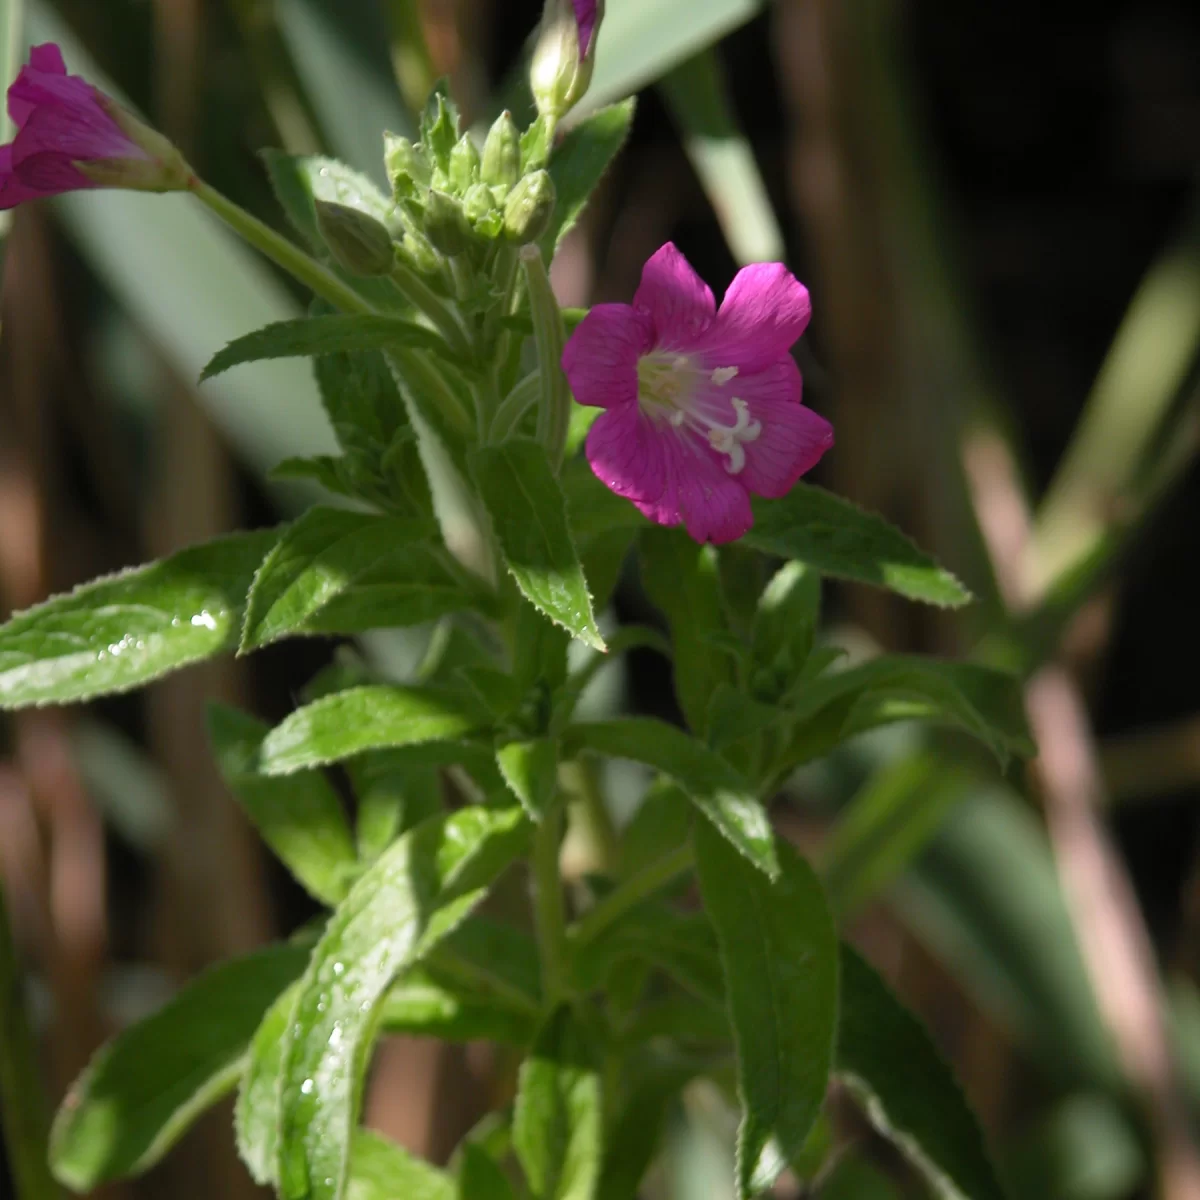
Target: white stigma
<point>722,375</point>
<point>730,439</point>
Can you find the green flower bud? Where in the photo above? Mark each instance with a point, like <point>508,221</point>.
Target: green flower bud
<point>529,207</point>
<point>357,241</point>
<point>565,54</point>
<point>417,252</point>
<point>478,202</point>
<point>446,225</point>
<point>439,126</point>
<point>464,164</point>
<point>502,153</point>
<point>407,165</point>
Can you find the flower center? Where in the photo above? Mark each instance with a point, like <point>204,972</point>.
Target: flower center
<point>671,388</point>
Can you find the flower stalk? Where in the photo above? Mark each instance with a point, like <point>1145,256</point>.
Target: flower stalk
<point>555,403</point>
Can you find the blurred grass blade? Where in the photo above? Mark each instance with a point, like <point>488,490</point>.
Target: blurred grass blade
<point>1147,364</point>
<point>985,899</point>
<point>340,52</point>
<point>697,96</point>
<point>411,62</point>
<point>640,40</point>
<point>192,288</point>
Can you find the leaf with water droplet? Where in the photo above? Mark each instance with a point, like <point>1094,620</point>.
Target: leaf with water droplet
<point>416,893</point>
<point>124,630</point>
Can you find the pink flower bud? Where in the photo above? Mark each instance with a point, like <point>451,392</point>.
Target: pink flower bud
<point>71,136</point>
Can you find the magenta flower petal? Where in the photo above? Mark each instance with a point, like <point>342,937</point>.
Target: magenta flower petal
<point>70,136</point>
<point>675,298</point>
<point>793,437</point>
<point>703,408</point>
<point>626,456</point>
<point>764,311</point>
<point>601,358</point>
<point>585,23</point>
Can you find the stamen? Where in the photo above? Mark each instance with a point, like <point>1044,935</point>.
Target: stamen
<point>722,375</point>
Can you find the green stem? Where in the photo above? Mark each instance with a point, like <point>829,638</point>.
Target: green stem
<point>317,277</point>
<point>22,1103</point>
<point>421,296</point>
<point>478,979</point>
<point>513,407</point>
<point>554,412</point>
<point>629,895</point>
<point>549,912</point>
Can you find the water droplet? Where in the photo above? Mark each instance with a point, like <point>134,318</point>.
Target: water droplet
<point>338,968</point>
<point>306,1087</point>
<point>204,620</point>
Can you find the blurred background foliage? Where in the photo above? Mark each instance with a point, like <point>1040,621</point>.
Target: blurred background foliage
<point>995,209</point>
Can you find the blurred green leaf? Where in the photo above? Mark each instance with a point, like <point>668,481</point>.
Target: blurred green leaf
<point>365,718</point>
<point>697,96</point>
<point>780,958</point>
<point>716,789</point>
<point>891,819</point>
<point>144,1088</point>
<point>124,630</point>
<point>985,898</point>
<point>190,285</point>
<point>641,40</point>
<point>480,1177</point>
<point>414,894</point>
<point>840,539</point>
<point>393,795</point>
<point>311,337</point>
<point>382,1170</point>
<point>299,817</point>
<point>335,571</point>
<point>529,516</point>
<point>680,577</point>
<point>530,768</point>
<point>558,1115</point>
<point>908,1093</point>
<point>578,164</point>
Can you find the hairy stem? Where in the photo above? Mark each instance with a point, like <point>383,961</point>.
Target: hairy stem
<point>549,912</point>
<point>554,411</point>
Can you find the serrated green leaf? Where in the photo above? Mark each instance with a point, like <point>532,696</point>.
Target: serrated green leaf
<point>636,1136</point>
<point>256,1114</point>
<point>414,894</point>
<point>374,717</point>
<point>336,571</point>
<point>985,702</point>
<point>143,1089</point>
<point>528,513</point>
<point>715,787</point>
<point>313,337</point>
<point>779,950</point>
<point>393,795</point>
<point>838,538</point>
<point>530,768</point>
<point>557,1116</point>
<point>382,1170</point>
<point>681,578</point>
<point>908,1092</point>
<point>578,164</point>
<point>785,626</point>
<point>480,1177</point>
<point>331,471</point>
<point>124,630</point>
<point>299,817</point>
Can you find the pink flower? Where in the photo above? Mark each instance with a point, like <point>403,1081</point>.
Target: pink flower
<point>703,406</point>
<point>585,23</point>
<point>72,136</point>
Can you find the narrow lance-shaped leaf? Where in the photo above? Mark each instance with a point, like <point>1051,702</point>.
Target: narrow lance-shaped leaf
<point>124,630</point>
<point>255,1116</point>
<point>779,950</point>
<point>908,1092</point>
<point>340,571</point>
<point>838,538</point>
<point>143,1089</point>
<point>299,817</point>
<point>372,717</point>
<point>557,1117</point>
<point>580,161</point>
<point>415,894</point>
<point>381,1170</point>
<point>716,789</point>
<point>529,515</point>
<point>310,337</point>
